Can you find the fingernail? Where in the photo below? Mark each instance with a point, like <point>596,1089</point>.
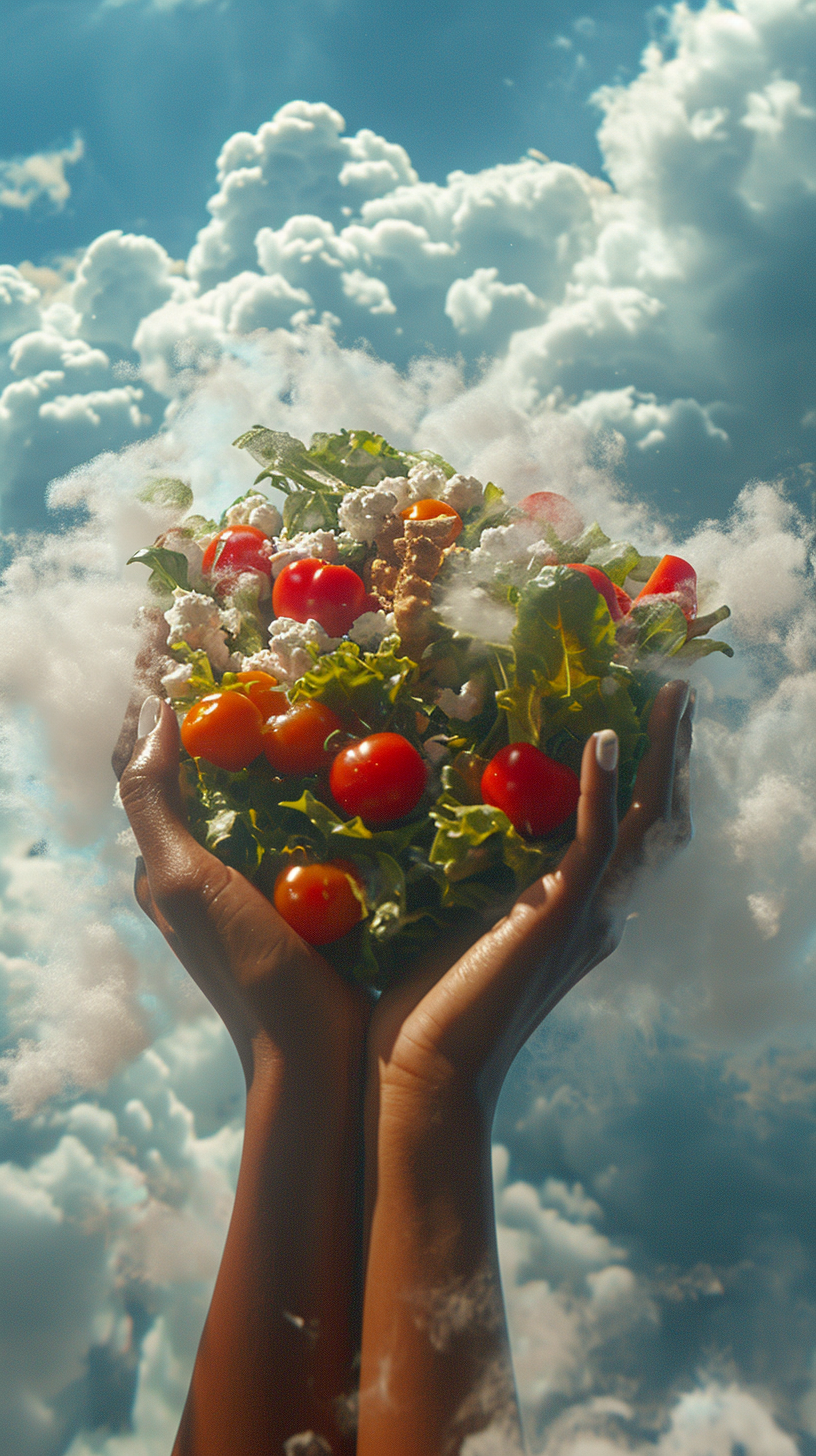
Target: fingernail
<point>606,749</point>
<point>149,716</point>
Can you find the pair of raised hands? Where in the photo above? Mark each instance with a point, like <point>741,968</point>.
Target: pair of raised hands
<point>405,1086</point>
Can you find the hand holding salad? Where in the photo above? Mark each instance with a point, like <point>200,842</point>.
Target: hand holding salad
<point>386,692</point>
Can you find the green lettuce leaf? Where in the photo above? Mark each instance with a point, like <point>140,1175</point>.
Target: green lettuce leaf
<point>372,688</point>
<point>617,558</point>
<point>660,627</point>
<point>168,569</point>
<point>563,638</point>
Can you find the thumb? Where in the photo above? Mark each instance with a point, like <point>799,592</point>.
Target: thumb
<point>149,788</point>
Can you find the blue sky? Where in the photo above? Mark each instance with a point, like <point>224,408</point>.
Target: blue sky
<point>597,279</point>
<point>155,90</point>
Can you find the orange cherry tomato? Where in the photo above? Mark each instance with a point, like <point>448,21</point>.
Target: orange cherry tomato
<point>260,689</point>
<point>427,510</point>
<point>320,901</point>
<point>225,729</point>
<point>293,742</point>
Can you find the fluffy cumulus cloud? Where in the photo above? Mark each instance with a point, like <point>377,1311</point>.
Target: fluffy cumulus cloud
<point>667,306</point>
<point>548,330</point>
<point>655,1144</point>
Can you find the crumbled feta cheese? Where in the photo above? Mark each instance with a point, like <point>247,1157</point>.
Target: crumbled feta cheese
<point>362,512</point>
<point>257,511</point>
<point>197,620</point>
<point>176,681</point>
<point>463,492</point>
<point>504,545</point>
<point>370,627</point>
<point>541,554</point>
<point>247,588</point>
<point>289,642</point>
<point>400,487</point>
<point>302,547</point>
<point>465,704</point>
<point>258,662</point>
<point>427,481</point>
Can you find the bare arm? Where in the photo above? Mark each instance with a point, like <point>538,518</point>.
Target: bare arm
<point>276,1354</point>
<point>436,1364</point>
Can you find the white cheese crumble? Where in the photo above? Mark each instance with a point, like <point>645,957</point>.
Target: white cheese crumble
<point>176,681</point>
<point>197,620</point>
<point>520,544</point>
<point>370,627</point>
<point>303,547</point>
<point>363,512</point>
<point>289,643</point>
<point>256,511</point>
<point>463,492</point>
<point>465,704</point>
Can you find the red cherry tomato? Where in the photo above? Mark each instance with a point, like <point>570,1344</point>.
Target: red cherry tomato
<point>555,510</point>
<point>320,901</point>
<point>428,510</point>
<point>235,549</point>
<point>381,778</point>
<point>624,599</point>
<point>260,689</point>
<point>225,729</point>
<point>293,742</point>
<point>673,577</point>
<point>602,584</point>
<point>332,595</point>
<point>536,793</point>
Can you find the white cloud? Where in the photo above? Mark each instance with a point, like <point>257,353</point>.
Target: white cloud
<point>664,312</point>
<point>25,180</point>
<point>18,303</point>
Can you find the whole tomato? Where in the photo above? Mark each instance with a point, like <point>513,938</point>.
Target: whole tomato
<point>293,741</point>
<point>263,690</point>
<point>381,778</point>
<point>534,791</point>
<point>332,595</point>
<point>237,549</point>
<point>225,729</point>
<point>554,510</point>
<point>320,901</point>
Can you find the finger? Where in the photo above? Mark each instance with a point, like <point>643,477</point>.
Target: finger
<point>149,789</point>
<point>681,793</point>
<point>146,681</point>
<point>597,824</point>
<point>654,790</point>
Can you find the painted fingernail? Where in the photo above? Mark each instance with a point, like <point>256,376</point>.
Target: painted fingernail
<point>606,749</point>
<point>149,716</point>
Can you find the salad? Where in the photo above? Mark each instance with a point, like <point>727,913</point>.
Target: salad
<point>385,687</point>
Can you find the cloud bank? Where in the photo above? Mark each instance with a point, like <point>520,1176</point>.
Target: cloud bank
<point>547,329</point>
<point>667,308</point>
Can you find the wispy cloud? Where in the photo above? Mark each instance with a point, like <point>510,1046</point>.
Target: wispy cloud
<point>24,180</point>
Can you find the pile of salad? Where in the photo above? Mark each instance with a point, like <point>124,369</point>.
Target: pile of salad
<point>385,688</point>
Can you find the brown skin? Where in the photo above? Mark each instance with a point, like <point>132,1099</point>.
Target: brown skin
<point>432,1057</point>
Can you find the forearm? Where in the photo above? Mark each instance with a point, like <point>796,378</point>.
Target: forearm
<point>276,1353</point>
<point>436,1363</point>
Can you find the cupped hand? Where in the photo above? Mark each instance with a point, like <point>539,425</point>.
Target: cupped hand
<point>463,1020</point>
<point>276,995</point>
